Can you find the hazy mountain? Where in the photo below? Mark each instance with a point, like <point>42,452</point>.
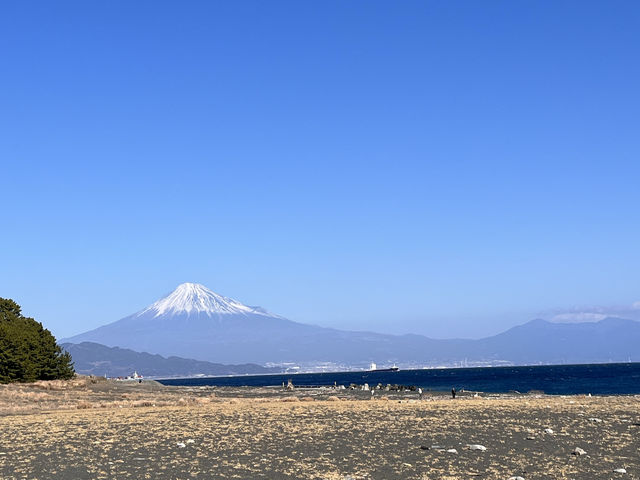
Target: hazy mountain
<point>609,340</point>
<point>95,359</point>
<point>195,322</point>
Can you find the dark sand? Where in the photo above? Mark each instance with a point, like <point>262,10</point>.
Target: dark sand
<point>109,430</point>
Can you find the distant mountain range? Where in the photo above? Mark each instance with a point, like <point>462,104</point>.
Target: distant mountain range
<point>95,359</point>
<point>194,322</point>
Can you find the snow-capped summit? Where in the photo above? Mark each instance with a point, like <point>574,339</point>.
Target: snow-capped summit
<point>193,298</point>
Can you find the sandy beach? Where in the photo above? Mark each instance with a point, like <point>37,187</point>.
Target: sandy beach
<point>86,429</point>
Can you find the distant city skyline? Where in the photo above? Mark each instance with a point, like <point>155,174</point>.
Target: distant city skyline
<point>450,170</point>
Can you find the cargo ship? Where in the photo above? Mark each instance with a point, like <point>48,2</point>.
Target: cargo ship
<point>374,368</point>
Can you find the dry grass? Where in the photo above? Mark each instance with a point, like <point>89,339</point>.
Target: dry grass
<point>290,399</point>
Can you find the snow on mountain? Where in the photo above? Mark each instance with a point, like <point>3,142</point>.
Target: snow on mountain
<point>193,298</point>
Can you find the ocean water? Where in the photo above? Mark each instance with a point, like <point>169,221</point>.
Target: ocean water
<point>597,379</point>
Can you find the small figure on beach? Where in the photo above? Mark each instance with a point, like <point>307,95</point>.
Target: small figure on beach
<point>420,392</point>
<point>453,392</point>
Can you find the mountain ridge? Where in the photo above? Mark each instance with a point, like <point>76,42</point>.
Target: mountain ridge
<point>95,359</point>
<point>194,322</point>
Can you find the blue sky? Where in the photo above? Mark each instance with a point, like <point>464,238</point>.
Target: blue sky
<point>444,168</point>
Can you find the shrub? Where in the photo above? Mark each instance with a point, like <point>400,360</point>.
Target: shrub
<point>28,351</point>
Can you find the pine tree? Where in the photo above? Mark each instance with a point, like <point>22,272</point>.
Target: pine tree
<point>28,351</point>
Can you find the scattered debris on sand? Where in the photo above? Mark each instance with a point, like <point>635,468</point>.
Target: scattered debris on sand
<point>93,428</point>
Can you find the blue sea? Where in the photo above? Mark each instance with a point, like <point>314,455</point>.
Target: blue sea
<point>597,379</point>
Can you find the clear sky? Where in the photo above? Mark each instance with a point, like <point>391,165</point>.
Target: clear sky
<point>444,168</point>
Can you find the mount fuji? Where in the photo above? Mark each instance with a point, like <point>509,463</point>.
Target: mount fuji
<point>194,322</point>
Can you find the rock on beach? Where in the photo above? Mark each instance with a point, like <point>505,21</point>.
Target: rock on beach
<point>477,447</point>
